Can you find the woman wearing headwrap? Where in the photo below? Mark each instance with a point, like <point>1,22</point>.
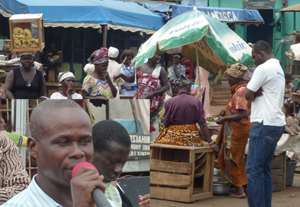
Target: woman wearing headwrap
<point>233,137</point>
<point>152,80</point>
<point>67,80</point>
<point>127,74</point>
<point>98,83</point>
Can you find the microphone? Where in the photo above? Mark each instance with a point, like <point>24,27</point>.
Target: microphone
<point>97,194</point>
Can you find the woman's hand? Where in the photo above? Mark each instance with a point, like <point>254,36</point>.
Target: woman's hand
<point>149,96</point>
<point>221,120</point>
<point>214,146</point>
<point>116,77</point>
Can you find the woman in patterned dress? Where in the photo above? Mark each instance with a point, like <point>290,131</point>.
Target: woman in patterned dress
<point>98,83</point>
<point>152,81</point>
<point>233,137</point>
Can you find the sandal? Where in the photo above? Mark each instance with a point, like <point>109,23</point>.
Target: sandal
<point>238,195</point>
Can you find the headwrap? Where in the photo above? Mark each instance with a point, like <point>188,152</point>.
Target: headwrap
<point>99,56</point>
<point>89,68</point>
<point>64,75</point>
<point>113,52</point>
<point>237,70</point>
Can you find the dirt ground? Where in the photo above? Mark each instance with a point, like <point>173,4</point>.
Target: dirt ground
<point>288,198</point>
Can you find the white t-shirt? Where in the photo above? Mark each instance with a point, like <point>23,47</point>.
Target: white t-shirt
<point>58,95</point>
<point>268,108</point>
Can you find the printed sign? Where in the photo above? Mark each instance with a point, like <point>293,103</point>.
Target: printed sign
<point>259,4</point>
<point>140,147</point>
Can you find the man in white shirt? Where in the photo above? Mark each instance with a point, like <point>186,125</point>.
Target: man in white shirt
<point>266,92</point>
<point>61,137</point>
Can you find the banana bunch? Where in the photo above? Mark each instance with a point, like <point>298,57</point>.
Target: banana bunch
<point>22,38</point>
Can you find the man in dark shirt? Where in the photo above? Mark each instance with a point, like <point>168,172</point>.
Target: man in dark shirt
<point>182,115</point>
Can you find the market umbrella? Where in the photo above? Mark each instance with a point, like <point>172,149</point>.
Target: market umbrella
<point>204,39</point>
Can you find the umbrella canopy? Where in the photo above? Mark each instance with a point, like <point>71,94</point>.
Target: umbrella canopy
<point>293,8</point>
<point>204,39</point>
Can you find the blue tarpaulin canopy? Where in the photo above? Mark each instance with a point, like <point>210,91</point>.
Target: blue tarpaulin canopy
<point>229,15</point>
<point>128,16</point>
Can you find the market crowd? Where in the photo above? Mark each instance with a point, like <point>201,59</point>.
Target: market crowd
<point>178,93</point>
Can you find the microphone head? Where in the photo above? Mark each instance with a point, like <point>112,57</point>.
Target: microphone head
<point>79,165</point>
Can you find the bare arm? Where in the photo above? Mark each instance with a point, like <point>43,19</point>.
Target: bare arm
<point>234,117</point>
<point>111,85</point>
<point>205,133</point>
<point>251,95</point>
<point>9,84</point>
<point>164,84</point>
<point>203,126</point>
<point>43,91</point>
<point>125,78</point>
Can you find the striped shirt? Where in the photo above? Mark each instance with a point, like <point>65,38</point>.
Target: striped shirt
<point>32,196</point>
<point>13,176</point>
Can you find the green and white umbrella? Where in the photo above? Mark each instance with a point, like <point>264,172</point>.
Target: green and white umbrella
<point>204,39</point>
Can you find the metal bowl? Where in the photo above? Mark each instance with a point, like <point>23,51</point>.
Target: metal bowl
<point>221,188</point>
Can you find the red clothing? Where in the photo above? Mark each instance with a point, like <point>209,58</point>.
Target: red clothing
<point>233,139</point>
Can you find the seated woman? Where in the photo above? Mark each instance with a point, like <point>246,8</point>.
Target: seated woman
<point>127,74</point>
<point>234,134</point>
<point>66,79</point>
<point>183,114</point>
<point>98,83</point>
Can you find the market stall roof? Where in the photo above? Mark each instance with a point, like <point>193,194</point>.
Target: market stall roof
<point>229,15</point>
<point>154,6</point>
<point>293,8</point>
<point>127,16</point>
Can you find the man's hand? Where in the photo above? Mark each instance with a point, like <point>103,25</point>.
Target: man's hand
<point>251,95</point>
<point>144,201</point>
<point>83,185</point>
<point>258,93</point>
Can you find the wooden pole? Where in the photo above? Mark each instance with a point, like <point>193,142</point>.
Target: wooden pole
<point>104,33</point>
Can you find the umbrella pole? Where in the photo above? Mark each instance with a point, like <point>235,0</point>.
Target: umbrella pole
<point>104,33</point>
<point>199,93</point>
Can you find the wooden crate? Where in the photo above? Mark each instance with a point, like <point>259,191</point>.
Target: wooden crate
<point>279,172</point>
<point>181,173</point>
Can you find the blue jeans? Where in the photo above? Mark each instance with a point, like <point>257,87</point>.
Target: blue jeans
<point>262,144</point>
